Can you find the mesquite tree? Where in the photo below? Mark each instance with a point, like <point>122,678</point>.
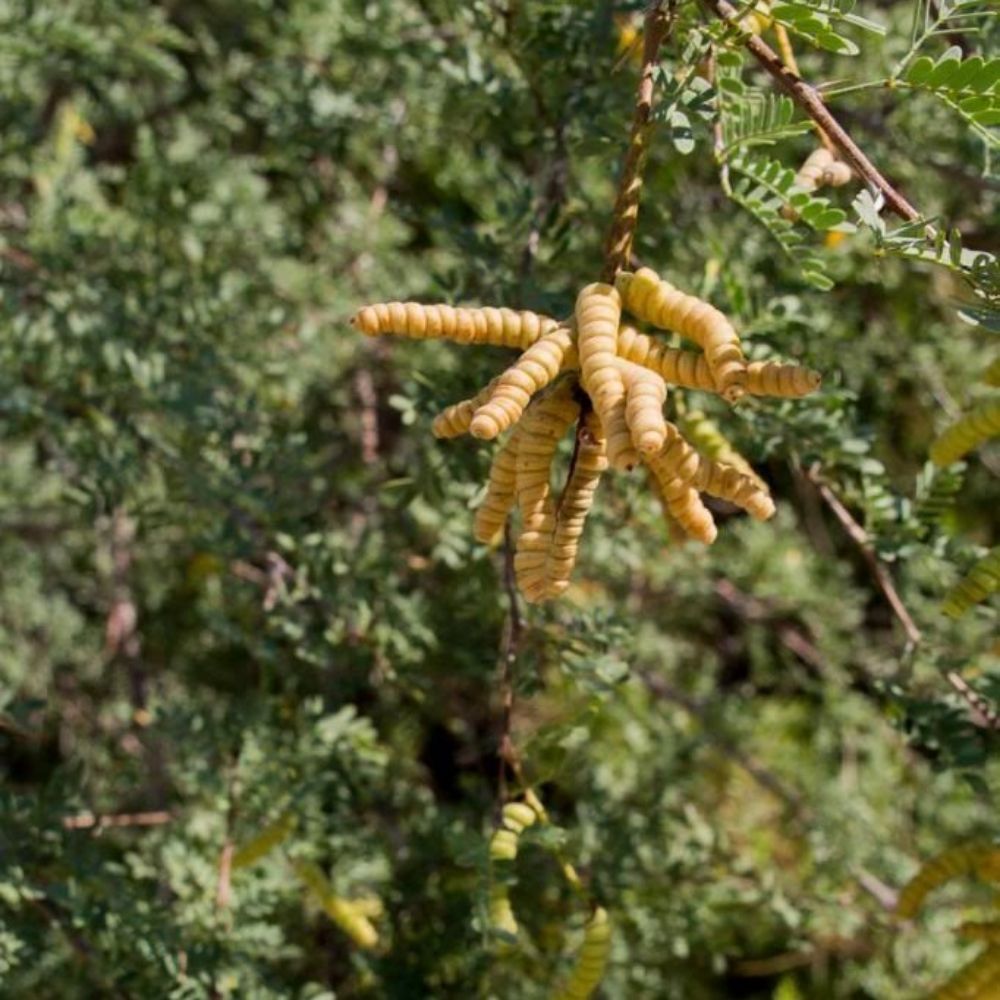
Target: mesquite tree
<point>336,665</point>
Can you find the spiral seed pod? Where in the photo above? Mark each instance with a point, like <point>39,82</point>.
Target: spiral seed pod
<point>758,20</point>
<point>597,314</point>
<point>574,505</point>
<point>531,373</point>
<point>684,368</point>
<point>500,492</point>
<point>709,441</point>
<point>682,503</point>
<point>982,581</point>
<point>273,835</point>
<point>648,297</point>
<point>343,912</point>
<point>979,980</point>
<point>676,467</point>
<point>518,816</point>
<point>967,433</point>
<point>591,961</point>
<point>499,327</point>
<point>545,421</point>
<point>730,484</point>
<point>822,169</point>
<point>965,859</point>
<point>454,420</point>
<point>786,381</point>
<point>645,394</point>
<point>675,532</point>
<point>501,913</point>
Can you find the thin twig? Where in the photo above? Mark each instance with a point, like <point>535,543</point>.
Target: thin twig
<point>619,244</point>
<point>508,658</point>
<point>859,536</point>
<point>808,98</point>
<point>877,889</point>
<point>983,713</point>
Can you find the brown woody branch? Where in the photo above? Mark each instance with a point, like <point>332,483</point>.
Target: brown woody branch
<point>508,658</point>
<point>859,536</point>
<point>619,244</point>
<point>808,98</point>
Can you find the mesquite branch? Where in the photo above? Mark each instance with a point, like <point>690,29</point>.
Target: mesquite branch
<point>807,98</point>
<point>619,245</point>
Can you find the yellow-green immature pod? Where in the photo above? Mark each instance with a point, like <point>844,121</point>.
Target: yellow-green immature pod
<point>543,425</point>
<point>499,327</point>
<point>730,484</point>
<point>503,845</point>
<point>454,420</point>
<point>591,960</point>
<point>968,432</point>
<point>531,373</point>
<point>992,374</point>
<point>518,816</point>
<point>966,859</point>
<point>501,913</point>
<point>645,394</point>
<point>500,492</point>
<point>647,296</point>
<point>979,980</point>
<point>597,314</point>
<point>982,581</point>
<point>273,835</point>
<point>343,912</point>
<point>788,381</point>
<point>705,436</point>
<point>758,20</point>
<point>575,503</point>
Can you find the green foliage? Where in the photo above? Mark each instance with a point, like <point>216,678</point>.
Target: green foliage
<point>242,615</point>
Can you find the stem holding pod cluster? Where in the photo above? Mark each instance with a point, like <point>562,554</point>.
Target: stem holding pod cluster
<point>626,213</point>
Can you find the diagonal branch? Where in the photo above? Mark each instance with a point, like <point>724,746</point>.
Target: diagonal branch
<point>807,98</point>
<point>859,536</point>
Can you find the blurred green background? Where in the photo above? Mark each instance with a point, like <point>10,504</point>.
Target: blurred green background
<point>238,577</point>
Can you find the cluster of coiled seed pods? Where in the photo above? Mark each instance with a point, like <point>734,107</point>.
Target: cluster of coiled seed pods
<point>597,371</point>
<point>979,979</point>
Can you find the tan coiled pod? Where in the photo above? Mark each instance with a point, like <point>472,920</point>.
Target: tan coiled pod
<point>589,462</point>
<point>787,381</point>
<point>499,327</point>
<point>729,483</point>
<point>597,315</point>
<point>544,423</point>
<point>500,492</point>
<point>675,468</point>
<point>648,297</point>
<point>822,169</point>
<point>645,394</point>
<point>453,421</point>
<point>513,389</point>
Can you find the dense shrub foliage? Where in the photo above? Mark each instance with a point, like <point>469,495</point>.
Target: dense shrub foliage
<point>239,585</point>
